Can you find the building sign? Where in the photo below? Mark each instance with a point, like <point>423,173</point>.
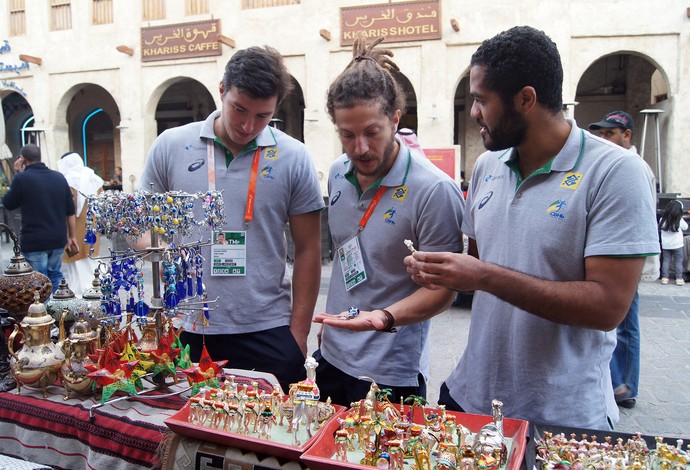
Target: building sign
<point>180,41</point>
<point>443,159</point>
<point>397,22</point>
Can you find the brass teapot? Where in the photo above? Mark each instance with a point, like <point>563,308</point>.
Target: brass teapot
<point>37,364</point>
<point>82,341</point>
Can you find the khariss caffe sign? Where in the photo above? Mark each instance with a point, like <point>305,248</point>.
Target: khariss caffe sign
<point>397,22</point>
<point>180,41</point>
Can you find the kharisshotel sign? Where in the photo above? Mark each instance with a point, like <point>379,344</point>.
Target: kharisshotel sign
<point>397,22</point>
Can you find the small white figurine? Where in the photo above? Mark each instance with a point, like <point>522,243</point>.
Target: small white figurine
<point>409,245</point>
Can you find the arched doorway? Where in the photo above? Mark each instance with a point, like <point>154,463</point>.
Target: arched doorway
<point>185,100</point>
<point>630,83</point>
<point>465,130</point>
<point>91,117</point>
<point>409,119</point>
<point>289,117</point>
<point>17,115</point>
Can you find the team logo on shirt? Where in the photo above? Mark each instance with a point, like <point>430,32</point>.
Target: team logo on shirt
<point>271,153</point>
<point>335,198</point>
<point>339,176</point>
<point>571,180</point>
<point>485,199</point>
<point>196,165</point>
<point>388,216</point>
<point>555,208</point>
<point>400,193</point>
<point>266,172</point>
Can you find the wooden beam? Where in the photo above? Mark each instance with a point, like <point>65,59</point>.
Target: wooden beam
<point>455,25</point>
<point>30,59</point>
<point>326,34</point>
<point>226,40</point>
<point>125,50</point>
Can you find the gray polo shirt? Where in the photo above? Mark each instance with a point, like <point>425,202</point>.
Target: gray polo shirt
<point>592,199</point>
<point>287,185</point>
<point>421,204</point>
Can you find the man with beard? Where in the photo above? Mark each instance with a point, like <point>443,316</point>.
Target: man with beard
<point>382,193</point>
<point>558,229</point>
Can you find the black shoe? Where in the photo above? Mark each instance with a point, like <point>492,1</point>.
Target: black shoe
<point>627,403</point>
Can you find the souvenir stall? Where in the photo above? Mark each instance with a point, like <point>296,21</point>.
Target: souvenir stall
<point>102,380</point>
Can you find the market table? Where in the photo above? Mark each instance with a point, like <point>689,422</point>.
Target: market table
<point>126,434</point>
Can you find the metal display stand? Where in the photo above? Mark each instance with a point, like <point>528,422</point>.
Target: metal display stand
<point>657,144</point>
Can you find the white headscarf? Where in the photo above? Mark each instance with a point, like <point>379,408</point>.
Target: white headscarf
<point>79,177</point>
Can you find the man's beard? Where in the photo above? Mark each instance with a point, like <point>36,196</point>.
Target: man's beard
<point>510,132</point>
<point>382,169</point>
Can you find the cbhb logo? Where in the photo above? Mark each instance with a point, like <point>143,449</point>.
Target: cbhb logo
<point>554,209</point>
<point>388,216</point>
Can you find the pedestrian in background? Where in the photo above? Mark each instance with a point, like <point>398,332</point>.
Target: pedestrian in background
<point>47,208</point>
<point>672,226</point>
<point>617,127</point>
<point>83,182</point>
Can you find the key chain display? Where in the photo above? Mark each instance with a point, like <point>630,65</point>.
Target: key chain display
<point>177,270</point>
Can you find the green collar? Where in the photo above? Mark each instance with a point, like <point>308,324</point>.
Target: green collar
<point>229,157</point>
<point>392,177</point>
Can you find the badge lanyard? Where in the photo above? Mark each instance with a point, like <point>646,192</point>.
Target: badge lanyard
<point>350,252</point>
<point>370,210</point>
<point>379,194</point>
<point>251,191</point>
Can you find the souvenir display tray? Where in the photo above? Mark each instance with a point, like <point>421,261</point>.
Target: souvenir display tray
<point>537,432</point>
<point>321,455</point>
<point>280,445</point>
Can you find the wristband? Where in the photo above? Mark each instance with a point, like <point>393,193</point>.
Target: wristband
<point>389,326</point>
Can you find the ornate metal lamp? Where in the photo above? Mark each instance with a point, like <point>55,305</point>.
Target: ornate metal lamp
<point>64,299</point>
<point>20,282</point>
<point>18,286</point>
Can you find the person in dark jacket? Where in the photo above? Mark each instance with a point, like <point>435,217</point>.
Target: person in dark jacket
<point>48,220</point>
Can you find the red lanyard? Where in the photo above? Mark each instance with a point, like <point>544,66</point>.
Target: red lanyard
<point>370,210</point>
<point>251,191</point>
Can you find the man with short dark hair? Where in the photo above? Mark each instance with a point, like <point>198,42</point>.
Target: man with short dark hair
<point>47,213</point>
<point>617,127</point>
<point>558,229</point>
<point>262,319</point>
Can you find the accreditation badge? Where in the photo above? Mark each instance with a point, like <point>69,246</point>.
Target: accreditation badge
<point>229,254</point>
<point>352,263</point>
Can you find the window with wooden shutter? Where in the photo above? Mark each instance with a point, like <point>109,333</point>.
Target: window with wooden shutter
<point>17,18</point>
<point>60,15</point>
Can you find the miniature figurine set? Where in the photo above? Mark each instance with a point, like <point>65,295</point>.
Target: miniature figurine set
<point>250,411</point>
<point>388,436</point>
<point>559,452</point>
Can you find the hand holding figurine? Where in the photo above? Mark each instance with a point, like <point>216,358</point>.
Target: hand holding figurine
<point>363,320</point>
<point>435,270</point>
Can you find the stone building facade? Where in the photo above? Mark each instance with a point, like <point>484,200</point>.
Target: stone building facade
<point>81,74</point>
